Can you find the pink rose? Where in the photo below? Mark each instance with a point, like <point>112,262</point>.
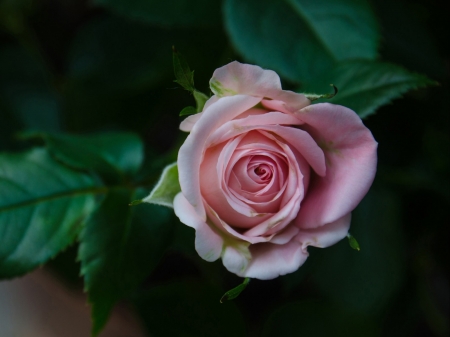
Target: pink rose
<point>264,175</point>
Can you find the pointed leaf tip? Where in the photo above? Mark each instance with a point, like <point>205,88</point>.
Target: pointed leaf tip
<point>135,202</point>
<point>183,74</point>
<point>233,293</point>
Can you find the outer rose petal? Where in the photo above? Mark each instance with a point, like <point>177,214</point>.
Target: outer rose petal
<point>270,261</point>
<point>244,79</point>
<point>350,153</point>
<point>191,152</point>
<point>326,235</point>
<point>190,121</point>
<point>208,244</point>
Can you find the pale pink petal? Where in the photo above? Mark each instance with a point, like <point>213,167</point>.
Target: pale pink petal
<point>291,101</point>
<point>299,139</point>
<point>270,260</point>
<point>191,152</point>
<point>351,157</point>
<point>326,235</point>
<point>293,194</point>
<point>188,123</point>
<point>213,195</point>
<point>236,78</point>
<point>285,236</point>
<point>208,243</point>
<point>236,259</point>
<point>244,79</point>
<point>233,234</point>
<point>213,99</point>
<point>250,122</point>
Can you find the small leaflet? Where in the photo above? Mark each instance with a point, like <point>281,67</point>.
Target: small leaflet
<point>233,293</point>
<point>352,242</point>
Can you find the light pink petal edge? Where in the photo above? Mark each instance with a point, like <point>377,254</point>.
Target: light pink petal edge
<point>191,152</point>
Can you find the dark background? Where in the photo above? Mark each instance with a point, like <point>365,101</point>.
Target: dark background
<point>70,66</point>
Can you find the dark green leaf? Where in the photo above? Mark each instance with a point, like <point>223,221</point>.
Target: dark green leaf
<point>365,282</point>
<point>182,13</point>
<point>233,293</point>
<point>119,247</point>
<point>309,39</point>
<point>113,155</point>
<point>43,205</point>
<point>317,319</point>
<point>188,309</point>
<point>189,110</point>
<point>183,74</point>
<point>364,86</point>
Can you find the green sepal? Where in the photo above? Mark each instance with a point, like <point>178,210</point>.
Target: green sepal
<point>233,293</point>
<point>352,242</point>
<point>313,97</point>
<point>200,100</point>
<point>166,189</point>
<point>183,74</point>
<point>189,110</point>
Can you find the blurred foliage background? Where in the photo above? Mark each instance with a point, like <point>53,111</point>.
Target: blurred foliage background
<point>87,67</point>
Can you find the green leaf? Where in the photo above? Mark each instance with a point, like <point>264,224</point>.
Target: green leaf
<point>188,309</point>
<point>43,205</point>
<point>364,86</point>
<point>112,155</point>
<point>317,319</point>
<point>189,110</point>
<point>235,292</point>
<point>200,99</point>
<point>181,13</point>
<point>183,74</point>
<point>167,187</point>
<point>352,242</point>
<point>119,247</point>
<point>313,35</point>
<point>365,282</point>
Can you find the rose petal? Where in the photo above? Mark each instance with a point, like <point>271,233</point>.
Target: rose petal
<point>236,259</point>
<point>271,260</point>
<point>214,217</point>
<point>237,126</point>
<point>191,152</point>
<point>299,139</point>
<point>285,236</point>
<point>326,235</point>
<point>214,196</point>
<point>293,195</point>
<point>190,121</point>
<point>237,78</point>
<point>244,79</point>
<point>351,157</point>
<point>208,244</point>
